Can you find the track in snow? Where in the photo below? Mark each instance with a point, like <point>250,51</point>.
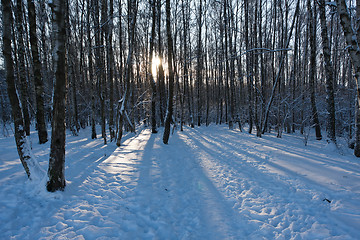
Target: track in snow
<point>208,183</point>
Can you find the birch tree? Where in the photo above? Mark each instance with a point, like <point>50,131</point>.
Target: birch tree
<point>353,50</point>
<point>24,95</point>
<point>31,166</point>
<point>56,171</point>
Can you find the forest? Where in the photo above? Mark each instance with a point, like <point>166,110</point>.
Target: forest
<point>257,66</point>
<point>180,119</point>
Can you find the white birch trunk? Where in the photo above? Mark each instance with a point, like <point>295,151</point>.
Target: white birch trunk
<point>353,49</point>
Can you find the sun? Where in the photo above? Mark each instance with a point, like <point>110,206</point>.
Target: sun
<point>156,61</point>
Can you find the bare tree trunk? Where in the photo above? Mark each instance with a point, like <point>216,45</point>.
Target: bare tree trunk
<point>110,63</point>
<point>39,85</point>
<point>296,73</point>
<point>232,49</point>
<point>47,80</point>
<point>331,133</point>
<point>312,70</point>
<point>248,69</point>
<point>160,72</point>
<point>30,165</point>
<point>281,78</point>
<point>263,73</point>
<point>228,102</point>
<point>267,111</point>
<point>257,42</point>
<point>225,79</point>
<point>199,65</point>
<point>101,69</point>
<point>186,60</point>
<point>304,78</point>
<point>152,81</point>
<point>91,73</point>
<point>207,71</point>
<point>82,61</point>
<point>352,48</point>
<point>73,116</point>
<point>22,72</point>
<point>133,8</point>
<point>74,112</point>
<point>56,170</point>
<point>239,68</point>
<point>169,112</point>
<point>98,58</point>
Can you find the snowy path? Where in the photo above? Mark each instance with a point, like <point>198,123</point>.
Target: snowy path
<point>208,183</point>
<point>276,200</point>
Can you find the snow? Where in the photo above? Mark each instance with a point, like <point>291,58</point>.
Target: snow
<point>208,183</point>
<point>332,4</point>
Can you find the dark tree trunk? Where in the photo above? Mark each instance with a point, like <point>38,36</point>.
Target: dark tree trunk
<point>169,112</point>
<point>248,68</point>
<point>330,128</point>
<point>24,151</point>
<point>312,70</point>
<point>186,60</point>
<point>232,48</point>
<point>199,66</point>
<point>122,111</point>
<point>267,111</point>
<point>152,81</point>
<point>160,72</point>
<point>110,59</point>
<point>101,69</point>
<point>91,74</point>
<point>39,85</point>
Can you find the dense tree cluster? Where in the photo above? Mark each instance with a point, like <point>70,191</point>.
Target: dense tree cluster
<point>268,65</point>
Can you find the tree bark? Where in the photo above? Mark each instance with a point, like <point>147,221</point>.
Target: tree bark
<point>312,70</point>
<point>91,74</point>
<point>199,66</point>
<point>248,68</point>
<point>267,111</point>
<point>122,111</point>
<point>22,72</point>
<point>232,49</point>
<point>169,112</point>
<point>47,80</point>
<point>110,58</point>
<point>353,49</point>
<point>30,165</point>
<point>257,42</point>
<point>101,68</point>
<point>39,85</point>
<point>331,133</point>
<point>186,60</point>
<point>152,81</point>
<point>56,170</point>
<point>160,72</point>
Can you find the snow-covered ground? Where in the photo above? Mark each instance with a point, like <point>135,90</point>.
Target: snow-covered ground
<point>208,183</point>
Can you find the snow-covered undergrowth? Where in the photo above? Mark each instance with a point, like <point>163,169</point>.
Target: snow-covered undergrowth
<point>208,183</point>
